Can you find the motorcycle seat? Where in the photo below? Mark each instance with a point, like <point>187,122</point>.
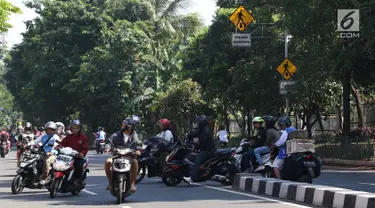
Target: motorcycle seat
<point>223,151</point>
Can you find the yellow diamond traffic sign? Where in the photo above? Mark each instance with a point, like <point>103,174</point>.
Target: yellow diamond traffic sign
<point>287,69</point>
<point>241,18</point>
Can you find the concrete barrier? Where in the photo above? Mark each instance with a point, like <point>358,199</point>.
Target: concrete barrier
<point>318,195</point>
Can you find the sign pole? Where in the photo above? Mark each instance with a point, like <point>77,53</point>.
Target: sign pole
<point>286,56</point>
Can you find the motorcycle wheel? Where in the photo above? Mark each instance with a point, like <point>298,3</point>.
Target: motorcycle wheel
<point>305,178</point>
<point>119,193</point>
<point>140,176</point>
<point>17,184</point>
<point>54,187</point>
<point>97,152</point>
<point>169,179</point>
<point>229,179</point>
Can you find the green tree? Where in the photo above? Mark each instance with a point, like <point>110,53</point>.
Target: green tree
<point>6,9</point>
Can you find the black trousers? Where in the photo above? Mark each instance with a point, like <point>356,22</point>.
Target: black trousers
<point>78,167</point>
<point>202,157</point>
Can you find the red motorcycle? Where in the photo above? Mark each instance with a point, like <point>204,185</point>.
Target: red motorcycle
<point>63,168</point>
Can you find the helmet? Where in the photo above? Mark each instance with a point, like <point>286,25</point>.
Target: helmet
<point>50,125</point>
<point>75,122</point>
<point>269,121</point>
<point>285,121</point>
<point>100,128</point>
<point>165,123</point>
<point>60,124</point>
<point>201,122</point>
<point>257,119</point>
<point>28,127</point>
<point>41,128</point>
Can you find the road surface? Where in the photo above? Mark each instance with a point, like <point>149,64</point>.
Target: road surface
<point>150,193</point>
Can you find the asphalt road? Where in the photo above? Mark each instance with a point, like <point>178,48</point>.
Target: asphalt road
<point>150,193</point>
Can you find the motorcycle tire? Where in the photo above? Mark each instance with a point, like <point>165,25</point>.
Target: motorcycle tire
<point>141,176</point>
<point>229,179</point>
<point>75,192</point>
<point>119,193</point>
<point>16,187</point>
<point>2,154</point>
<point>54,187</point>
<point>305,178</point>
<point>169,179</point>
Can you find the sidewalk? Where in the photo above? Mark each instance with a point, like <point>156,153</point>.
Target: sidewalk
<point>348,163</point>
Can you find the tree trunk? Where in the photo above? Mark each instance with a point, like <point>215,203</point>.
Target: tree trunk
<point>346,106</point>
<point>248,123</point>
<point>358,102</point>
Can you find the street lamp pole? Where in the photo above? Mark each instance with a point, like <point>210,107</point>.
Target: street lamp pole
<point>286,56</point>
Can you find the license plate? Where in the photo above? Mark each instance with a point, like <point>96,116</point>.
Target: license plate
<point>310,164</point>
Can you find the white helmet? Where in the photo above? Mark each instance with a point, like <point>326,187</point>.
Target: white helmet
<point>60,124</point>
<point>50,125</point>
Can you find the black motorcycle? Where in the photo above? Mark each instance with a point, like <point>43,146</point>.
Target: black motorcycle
<point>30,172</point>
<point>220,167</point>
<point>149,159</point>
<point>100,146</point>
<point>299,167</point>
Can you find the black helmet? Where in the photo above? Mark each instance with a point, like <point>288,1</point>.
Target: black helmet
<point>269,121</point>
<point>284,121</point>
<point>131,122</point>
<point>75,123</point>
<point>41,128</point>
<point>100,128</point>
<point>201,122</point>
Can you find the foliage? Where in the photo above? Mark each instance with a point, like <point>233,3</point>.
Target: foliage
<point>6,9</point>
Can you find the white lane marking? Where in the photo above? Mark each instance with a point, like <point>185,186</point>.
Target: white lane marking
<point>371,184</point>
<point>89,192</point>
<point>251,195</point>
<point>348,171</point>
<point>125,207</point>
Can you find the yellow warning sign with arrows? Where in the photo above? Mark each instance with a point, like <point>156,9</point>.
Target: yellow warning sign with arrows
<point>241,18</point>
<point>287,69</point>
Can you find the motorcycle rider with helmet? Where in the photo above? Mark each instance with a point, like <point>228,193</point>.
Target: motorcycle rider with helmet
<point>166,139</point>
<point>42,130</point>
<point>60,131</point>
<point>272,135</point>
<point>26,132</point>
<point>127,137</point>
<point>203,140</point>
<point>100,135</point>
<point>48,141</point>
<point>78,142</point>
<point>4,134</point>
<point>285,125</point>
<point>260,137</point>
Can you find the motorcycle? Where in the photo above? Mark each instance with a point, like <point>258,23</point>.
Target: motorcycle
<point>220,167</point>
<point>149,160</point>
<point>299,167</point>
<point>121,165</point>
<point>240,150</point>
<point>30,172</point>
<point>63,169</point>
<point>100,146</point>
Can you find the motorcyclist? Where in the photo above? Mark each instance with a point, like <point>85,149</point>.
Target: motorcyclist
<point>42,130</point>
<point>4,134</point>
<point>26,132</point>
<point>166,140</point>
<point>78,142</point>
<point>272,135</point>
<point>260,137</point>
<point>285,125</point>
<point>203,140</point>
<point>127,137</point>
<point>100,135</point>
<point>48,141</point>
<point>60,131</point>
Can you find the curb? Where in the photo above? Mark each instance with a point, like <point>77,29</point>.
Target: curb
<point>354,163</point>
<point>324,196</point>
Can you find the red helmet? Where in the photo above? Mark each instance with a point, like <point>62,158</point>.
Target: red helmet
<point>165,123</point>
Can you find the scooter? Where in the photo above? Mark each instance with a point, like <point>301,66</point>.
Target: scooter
<point>4,146</point>
<point>63,169</point>
<point>100,146</point>
<point>121,166</point>
<point>30,172</point>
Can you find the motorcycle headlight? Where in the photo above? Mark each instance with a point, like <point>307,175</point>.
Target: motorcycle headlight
<point>121,164</point>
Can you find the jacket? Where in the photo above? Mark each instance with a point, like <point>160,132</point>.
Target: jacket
<point>117,140</point>
<point>206,140</point>
<point>79,143</point>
